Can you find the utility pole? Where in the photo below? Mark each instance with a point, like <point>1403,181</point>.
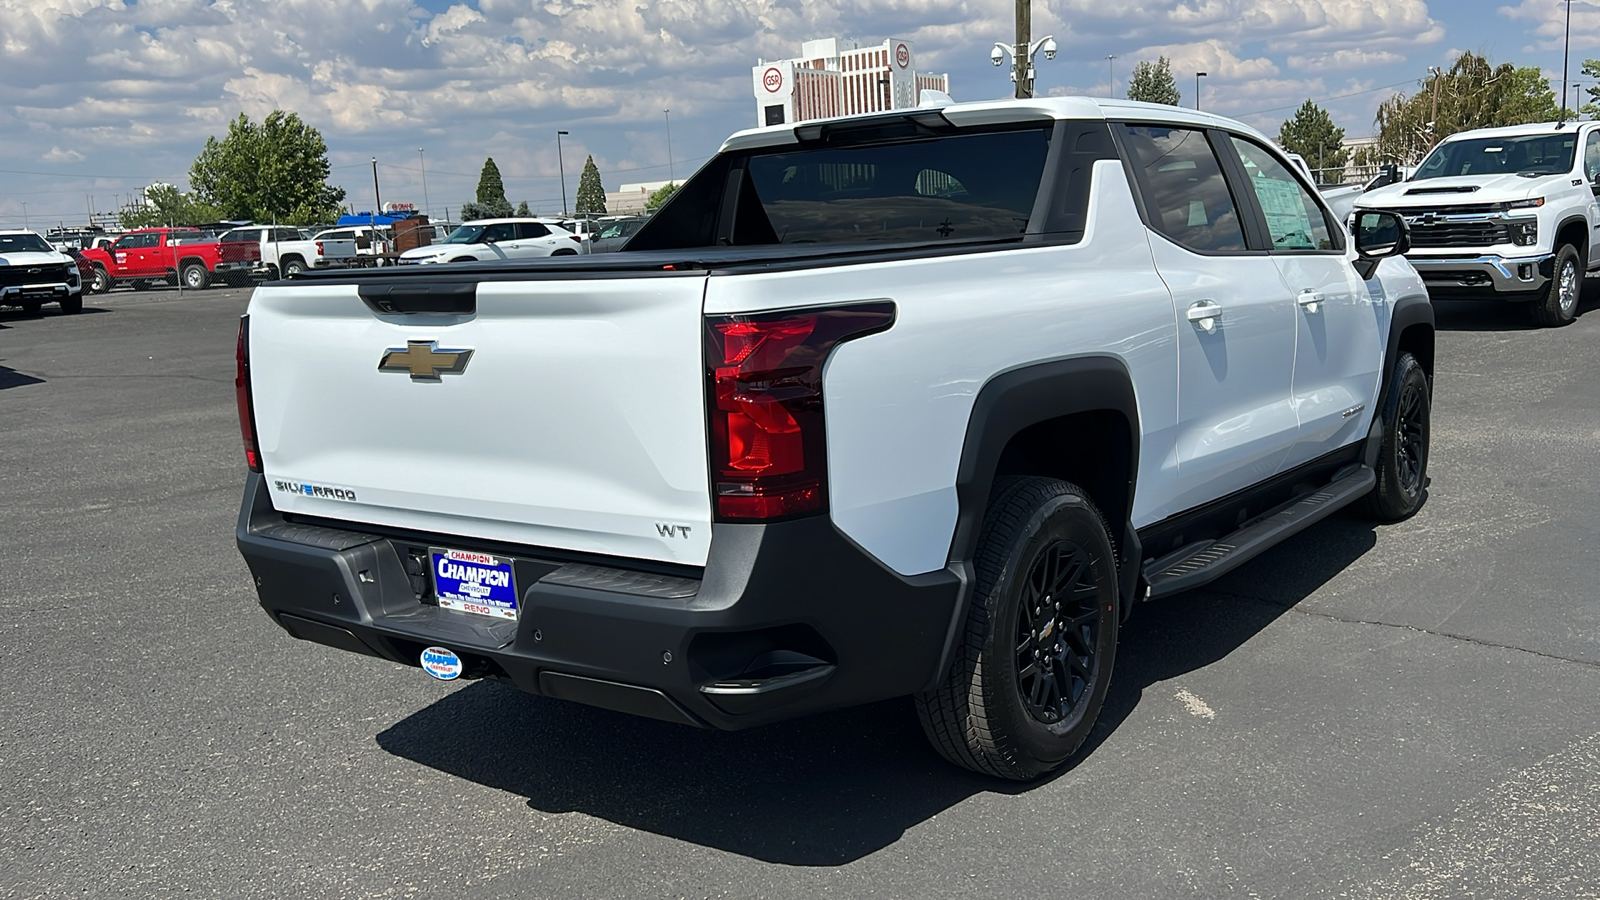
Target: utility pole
<point>1024,35</point>
<point>1111,77</point>
<point>1566,53</point>
<point>1197,77</point>
<point>1433,122</point>
<point>423,160</point>
<point>376,197</point>
<point>671,176</point>
<point>562,164</point>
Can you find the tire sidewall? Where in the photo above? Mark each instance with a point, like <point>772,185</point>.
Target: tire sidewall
<point>194,277</point>
<point>1064,517</point>
<point>1393,502</point>
<point>1553,311</point>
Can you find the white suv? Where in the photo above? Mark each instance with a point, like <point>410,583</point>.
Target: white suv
<point>1505,213</point>
<point>488,239</point>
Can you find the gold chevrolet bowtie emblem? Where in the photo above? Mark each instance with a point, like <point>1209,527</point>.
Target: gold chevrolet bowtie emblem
<point>424,360</point>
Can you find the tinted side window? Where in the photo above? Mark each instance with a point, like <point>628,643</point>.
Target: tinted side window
<point>1294,220</point>
<point>501,232</point>
<point>1186,195</point>
<point>137,241</point>
<point>285,234</point>
<point>531,230</point>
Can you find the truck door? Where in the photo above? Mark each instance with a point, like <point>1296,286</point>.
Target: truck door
<point>1591,174</point>
<point>1338,349</point>
<point>135,255</point>
<point>1235,321</point>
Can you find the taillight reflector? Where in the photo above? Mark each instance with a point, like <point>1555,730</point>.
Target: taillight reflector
<point>764,401</point>
<point>241,391</point>
<point>319,248</point>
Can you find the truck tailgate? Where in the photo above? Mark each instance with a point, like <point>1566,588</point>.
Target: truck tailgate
<point>578,421</point>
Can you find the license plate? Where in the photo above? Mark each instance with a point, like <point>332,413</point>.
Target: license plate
<point>474,583</point>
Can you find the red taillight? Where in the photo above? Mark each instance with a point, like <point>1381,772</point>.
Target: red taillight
<point>319,248</point>
<point>764,399</point>
<point>241,391</point>
<point>576,237</point>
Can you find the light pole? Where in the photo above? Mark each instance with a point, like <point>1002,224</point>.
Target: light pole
<point>1111,77</point>
<point>422,160</point>
<point>376,197</point>
<point>1566,47</point>
<point>1197,77</point>
<point>1022,55</point>
<point>671,176</point>
<point>25,225</point>
<point>562,164</point>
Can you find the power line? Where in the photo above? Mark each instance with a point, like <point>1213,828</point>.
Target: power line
<point>1332,98</point>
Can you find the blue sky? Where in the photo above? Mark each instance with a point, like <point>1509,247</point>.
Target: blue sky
<point>106,96</point>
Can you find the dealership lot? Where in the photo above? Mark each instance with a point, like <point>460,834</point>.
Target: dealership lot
<point>1364,712</point>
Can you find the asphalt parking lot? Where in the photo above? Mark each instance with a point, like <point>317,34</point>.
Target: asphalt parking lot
<point>1366,712</point>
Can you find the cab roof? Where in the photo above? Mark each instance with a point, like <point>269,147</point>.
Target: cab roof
<point>1516,131</point>
<point>999,112</point>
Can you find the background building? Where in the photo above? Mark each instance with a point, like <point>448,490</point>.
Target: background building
<point>631,198</point>
<point>838,77</point>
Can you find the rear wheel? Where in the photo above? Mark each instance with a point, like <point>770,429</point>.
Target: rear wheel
<point>1558,305</point>
<point>293,267</point>
<point>1033,666</point>
<point>565,253</point>
<point>72,304</point>
<point>1403,452</point>
<point>465,259</point>
<point>195,277</point>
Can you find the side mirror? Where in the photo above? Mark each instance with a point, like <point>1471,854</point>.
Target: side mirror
<point>1594,183</point>
<point>1379,234</point>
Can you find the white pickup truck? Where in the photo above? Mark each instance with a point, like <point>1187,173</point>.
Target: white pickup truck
<point>285,252</point>
<point>1505,213</point>
<point>913,404</point>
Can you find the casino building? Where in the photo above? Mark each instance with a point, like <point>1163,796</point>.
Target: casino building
<point>838,77</point>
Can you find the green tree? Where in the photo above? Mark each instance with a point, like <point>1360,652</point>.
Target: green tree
<point>1152,82</point>
<point>274,171</point>
<point>1591,69</point>
<point>166,205</point>
<point>1474,93</point>
<point>1311,133</point>
<point>660,195</point>
<point>491,202</point>
<point>591,194</point>
<point>522,209</point>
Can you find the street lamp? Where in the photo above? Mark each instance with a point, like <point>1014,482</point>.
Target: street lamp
<point>1111,77</point>
<point>376,197</point>
<point>1197,77</point>
<point>422,160</point>
<point>1023,63</point>
<point>562,164</point>
<point>1566,53</point>
<point>25,225</point>
<point>671,177</point>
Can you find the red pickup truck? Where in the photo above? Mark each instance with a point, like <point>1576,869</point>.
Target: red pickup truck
<point>170,255</point>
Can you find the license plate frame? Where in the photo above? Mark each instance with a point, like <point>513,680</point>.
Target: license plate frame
<point>470,582</point>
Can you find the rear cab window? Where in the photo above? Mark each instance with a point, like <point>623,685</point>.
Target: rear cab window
<point>883,181</point>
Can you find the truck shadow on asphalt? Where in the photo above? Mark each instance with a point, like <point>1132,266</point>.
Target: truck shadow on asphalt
<point>830,789</point>
<point>10,378</point>
<point>1500,315</point>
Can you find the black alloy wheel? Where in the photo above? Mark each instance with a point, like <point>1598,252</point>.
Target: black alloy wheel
<point>1028,678</point>
<point>1057,632</point>
<point>1402,466</point>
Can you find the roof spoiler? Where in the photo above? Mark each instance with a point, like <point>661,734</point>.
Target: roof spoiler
<point>917,123</point>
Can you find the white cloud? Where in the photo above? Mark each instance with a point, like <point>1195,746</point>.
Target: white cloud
<point>58,155</point>
<point>1342,60</point>
<point>1549,21</point>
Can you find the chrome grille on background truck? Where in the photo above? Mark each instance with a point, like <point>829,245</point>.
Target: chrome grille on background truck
<point>1447,226</point>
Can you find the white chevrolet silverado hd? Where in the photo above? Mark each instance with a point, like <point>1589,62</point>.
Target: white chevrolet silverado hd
<point>909,404</point>
<point>1507,213</point>
<point>33,273</point>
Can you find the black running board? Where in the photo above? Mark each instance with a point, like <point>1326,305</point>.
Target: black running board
<point>1205,561</point>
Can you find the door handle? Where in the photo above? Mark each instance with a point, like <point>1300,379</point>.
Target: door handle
<point>1311,300</point>
<point>1205,314</point>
